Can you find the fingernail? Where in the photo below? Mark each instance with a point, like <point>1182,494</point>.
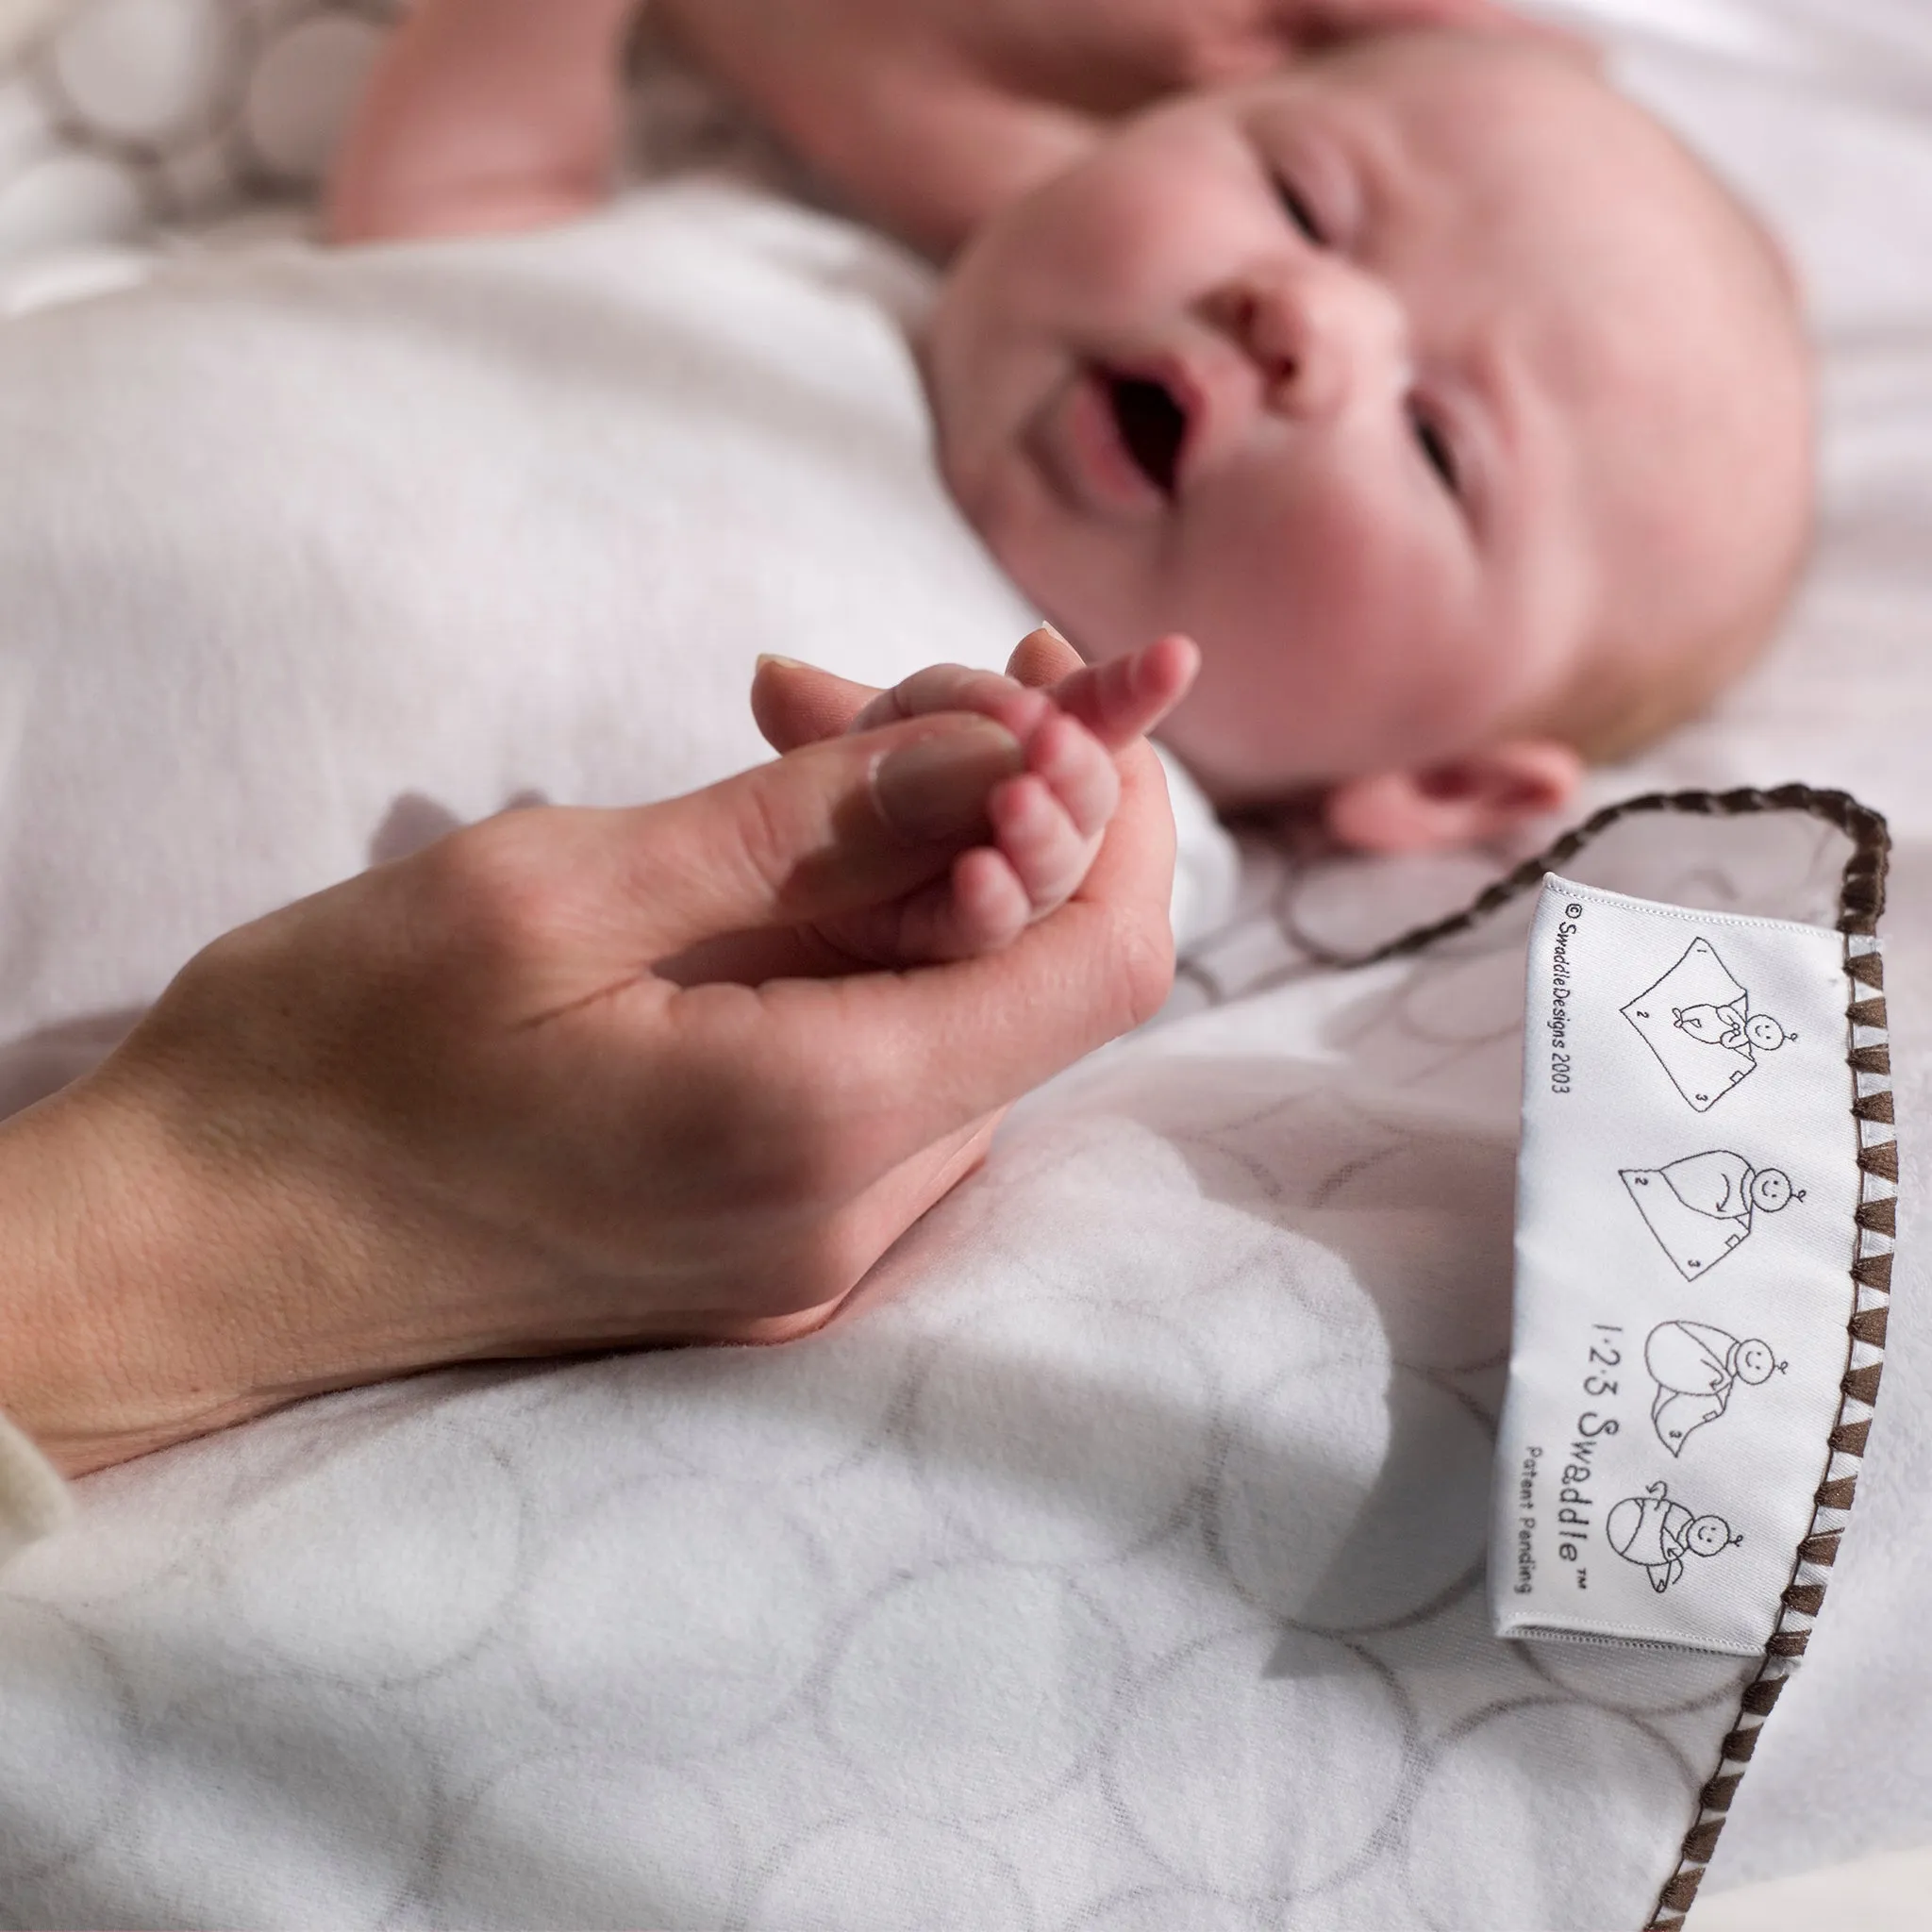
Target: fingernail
<point>937,788</point>
<point>784,663</point>
<point>1053,630</point>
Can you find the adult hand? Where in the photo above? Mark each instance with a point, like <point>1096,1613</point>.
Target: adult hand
<point>930,114</point>
<point>451,1109</point>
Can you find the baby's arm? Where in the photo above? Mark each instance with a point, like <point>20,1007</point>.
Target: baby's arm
<point>484,115</point>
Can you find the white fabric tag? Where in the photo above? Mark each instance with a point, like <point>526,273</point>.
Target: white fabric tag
<point>1686,1193</point>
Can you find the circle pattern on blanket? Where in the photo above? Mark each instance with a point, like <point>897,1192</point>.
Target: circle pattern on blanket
<point>302,1779</point>
<point>1161,1909</point>
<point>325,1567</point>
<point>124,114</point>
<point>790,1413</point>
<point>1386,1514</point>
<point>581,1839</point>
<point>678,1617</point>
<point>1055,1430</point>
<point>63,197</point>
<point>144,70</point>
<point>1507,1783</point>
<point>974,1691</point>
<point>1270,1704</point>
<point>64,1744</point>
<point>913,1874</point>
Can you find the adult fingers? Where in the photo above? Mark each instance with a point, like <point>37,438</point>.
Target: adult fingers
<point>1125,697</point>
<point>796,704</point>
<point>832,827</point>
<point>873,1067</point>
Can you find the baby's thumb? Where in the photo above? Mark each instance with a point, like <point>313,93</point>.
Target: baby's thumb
<point>828,830</point>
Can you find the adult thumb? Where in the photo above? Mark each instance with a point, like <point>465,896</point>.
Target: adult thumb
<point>828,829</point>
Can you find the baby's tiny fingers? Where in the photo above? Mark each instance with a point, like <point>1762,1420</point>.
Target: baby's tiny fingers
<point>979,907</point>
<point>1078,770</point>
<point>957,688</point>
<point>1039,841</point>
<point>990,905</point>
<point>1125,697</point>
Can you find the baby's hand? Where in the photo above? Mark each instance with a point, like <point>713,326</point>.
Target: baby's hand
<point>1046,823</point>
<point>1041,825</point>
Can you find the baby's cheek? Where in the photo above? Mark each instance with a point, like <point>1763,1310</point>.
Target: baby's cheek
<point>1329,642</point>
<point>1135,237</point>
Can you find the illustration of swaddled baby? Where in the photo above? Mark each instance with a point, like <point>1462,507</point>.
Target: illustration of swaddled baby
<point>1699,1022</point>
<point>1704,1205</point>
<point>1696,1368</point>
<point>1658,1534</point>
<point>1730,1026</point>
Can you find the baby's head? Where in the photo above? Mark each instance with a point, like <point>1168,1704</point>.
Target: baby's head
<point>1459,414</point>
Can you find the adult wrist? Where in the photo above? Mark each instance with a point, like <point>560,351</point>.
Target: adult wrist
<point>110,1241</point>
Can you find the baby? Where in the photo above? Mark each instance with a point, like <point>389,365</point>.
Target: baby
<point>1459,415</point>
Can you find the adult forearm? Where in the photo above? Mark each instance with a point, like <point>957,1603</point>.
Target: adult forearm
<point>484,115</point>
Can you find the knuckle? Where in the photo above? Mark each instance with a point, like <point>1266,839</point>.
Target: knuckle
<point>492,889</point>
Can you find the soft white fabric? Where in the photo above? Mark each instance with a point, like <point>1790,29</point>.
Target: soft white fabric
<point>1119,1566</point>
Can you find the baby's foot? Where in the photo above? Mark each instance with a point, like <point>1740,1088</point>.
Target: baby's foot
<point>1046,824</point>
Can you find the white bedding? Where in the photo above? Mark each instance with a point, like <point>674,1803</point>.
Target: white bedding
<point>1118,1564</point>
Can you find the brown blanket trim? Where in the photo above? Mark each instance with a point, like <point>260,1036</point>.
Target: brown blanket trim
<point>1862,899</point>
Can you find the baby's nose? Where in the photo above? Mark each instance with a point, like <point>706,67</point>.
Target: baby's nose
<point>1325,335</point>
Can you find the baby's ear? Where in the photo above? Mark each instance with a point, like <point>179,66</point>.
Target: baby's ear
<point>1467,801</point>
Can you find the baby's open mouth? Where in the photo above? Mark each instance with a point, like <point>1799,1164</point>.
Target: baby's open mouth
<point>1152,425</point>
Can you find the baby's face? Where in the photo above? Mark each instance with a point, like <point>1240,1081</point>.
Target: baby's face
<point>1707,1535</point>
<point>1344,372</point>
